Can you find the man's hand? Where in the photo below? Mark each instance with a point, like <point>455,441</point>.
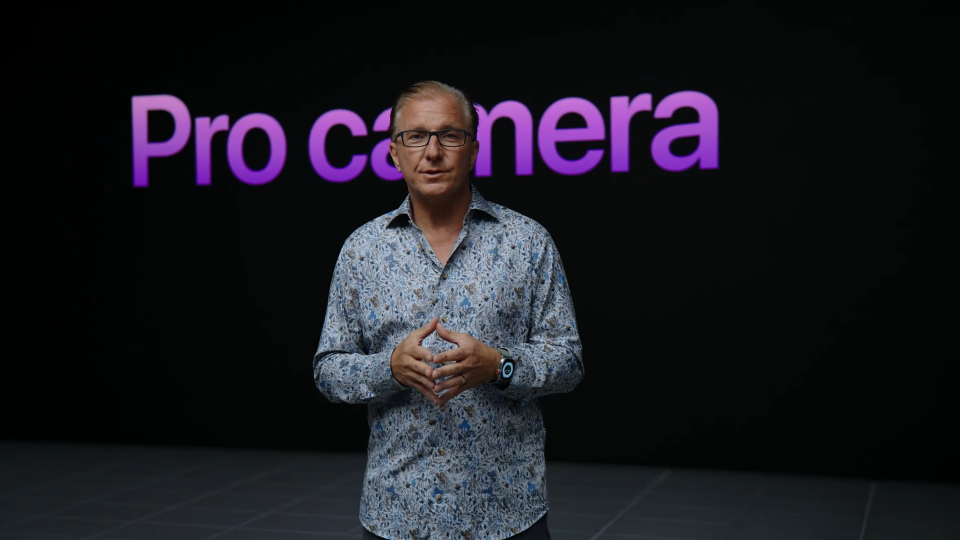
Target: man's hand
<point>407,362</point>
<point>474,361</point>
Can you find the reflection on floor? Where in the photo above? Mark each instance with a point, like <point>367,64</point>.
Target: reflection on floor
<point>73,491</point>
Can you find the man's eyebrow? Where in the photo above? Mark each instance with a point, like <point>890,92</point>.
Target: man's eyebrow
<point>445,126</point>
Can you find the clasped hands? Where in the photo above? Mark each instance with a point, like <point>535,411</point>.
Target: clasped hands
<point>469,365</point>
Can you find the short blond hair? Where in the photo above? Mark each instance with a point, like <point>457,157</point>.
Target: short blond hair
<point>428,89</point>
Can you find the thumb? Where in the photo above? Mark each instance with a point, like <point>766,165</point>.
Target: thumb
<point>427,329</point>
<point>447,335</point>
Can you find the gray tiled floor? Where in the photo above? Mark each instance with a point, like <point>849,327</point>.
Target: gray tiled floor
<point>112,492</point>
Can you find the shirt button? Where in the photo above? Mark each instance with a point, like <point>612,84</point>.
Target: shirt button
<point>443,275</point>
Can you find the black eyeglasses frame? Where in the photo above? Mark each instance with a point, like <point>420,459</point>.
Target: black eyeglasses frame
<point>437,134</point>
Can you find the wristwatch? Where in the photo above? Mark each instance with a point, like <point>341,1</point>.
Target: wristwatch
<point>505,369</point>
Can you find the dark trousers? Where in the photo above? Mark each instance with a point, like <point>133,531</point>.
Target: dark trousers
<point>537,531</point>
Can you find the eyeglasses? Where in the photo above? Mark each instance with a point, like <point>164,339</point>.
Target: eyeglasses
<point>418,138</point>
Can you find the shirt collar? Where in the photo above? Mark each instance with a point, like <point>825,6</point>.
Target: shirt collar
<point>477,202</point>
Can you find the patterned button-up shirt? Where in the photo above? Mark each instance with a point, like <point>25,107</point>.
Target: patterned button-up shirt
<point>473,469</point>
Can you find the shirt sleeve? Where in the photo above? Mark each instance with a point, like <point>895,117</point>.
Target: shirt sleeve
<point>550,360</point>
<point>343,368</point>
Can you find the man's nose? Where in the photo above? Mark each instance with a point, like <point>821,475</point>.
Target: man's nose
<point>433,149</point>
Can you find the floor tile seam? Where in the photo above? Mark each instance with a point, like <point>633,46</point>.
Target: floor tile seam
<point>73,500</point>
<point>950,521</point>
<point>197,498</point>
<point>326,499</point>
<point>825,502</point>
<point>687,506</point>
<point>175,524</point>
<point>117,491</point>
<point>85,519</point>
<point>164,508</point>
<point>554,530</point>
<point>287,531</point>
<point>850,527</point>
<point>809,518</point>
<point>579,514</point>
<point>866,512</point>
<point>676,520</point>
<point>829,506</point>
<point>15,470</point>
<point>311,480</point>
<point>593,481</point>
<point>137,506</point>
<point>311,514</point>
<point>625,486</point>
<point>586,499</point>
<point>70,477</point>
<point>41,536</point>
<point>744,509</point>
<point>295,501</point>
<point>662,477</point>
<point>634,518</point>
<point>620,535</point>
<point>791,494</point>
<point>717,492</point>
<point>646,536</point>
<point>804,516</point>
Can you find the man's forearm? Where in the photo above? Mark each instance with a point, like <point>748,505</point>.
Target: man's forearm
<point>541,372</point>
<point>355,378</point>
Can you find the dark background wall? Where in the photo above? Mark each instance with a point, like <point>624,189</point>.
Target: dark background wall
<point>789,311</point>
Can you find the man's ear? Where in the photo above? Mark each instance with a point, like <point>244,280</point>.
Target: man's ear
<point>394,156</point>
<point>474,152</point>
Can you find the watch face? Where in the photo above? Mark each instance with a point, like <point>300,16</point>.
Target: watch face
<point>507,371</point>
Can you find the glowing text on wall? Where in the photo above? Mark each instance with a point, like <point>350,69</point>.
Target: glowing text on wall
<point>621,110</point>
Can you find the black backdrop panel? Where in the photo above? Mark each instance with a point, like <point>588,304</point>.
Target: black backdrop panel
<point>785,310</point>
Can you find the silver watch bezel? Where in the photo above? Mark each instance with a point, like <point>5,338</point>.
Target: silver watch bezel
<point>505,356</point>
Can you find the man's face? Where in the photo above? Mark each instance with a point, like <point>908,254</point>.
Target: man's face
<point>434,170</point>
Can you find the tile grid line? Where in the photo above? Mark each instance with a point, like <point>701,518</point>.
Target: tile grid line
<point>11,472</point>
<point>67,478</point>
<point>656,482</point>
<point>89,500</point>
<point>191,500</point>
<point>746,506</point>
<point>280,508</point>
<point>41,536</point>
<point>866,513</point>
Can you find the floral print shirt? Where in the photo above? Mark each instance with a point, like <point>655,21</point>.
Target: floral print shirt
<point>473,469</point>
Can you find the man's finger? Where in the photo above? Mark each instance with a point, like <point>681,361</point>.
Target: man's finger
<point>415,366</point>
<point>422,384</point>
<point>421,380</point>
<point>454,355</point>
<point>427,390</point>
<point>448,335</point>
<point>452,393</point>
<point>419,353</point>
<point>430,395</point>
<point>425,330</point>
<point>452,382</point>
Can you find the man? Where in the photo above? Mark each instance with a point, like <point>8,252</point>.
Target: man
<point>448,317</point>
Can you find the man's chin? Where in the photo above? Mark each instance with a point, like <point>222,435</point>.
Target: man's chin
<point>438,185</point>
